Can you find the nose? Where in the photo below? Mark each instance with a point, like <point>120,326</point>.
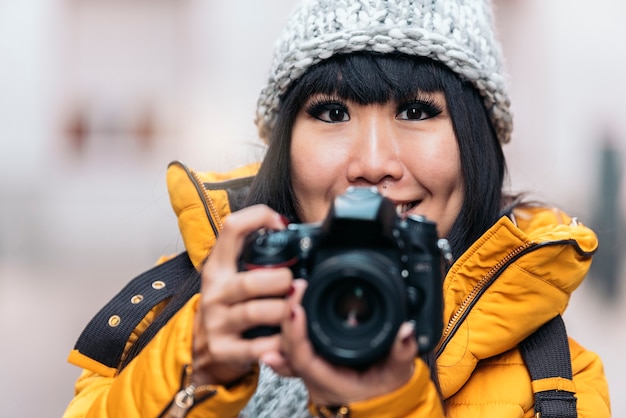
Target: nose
<point>375,155</point>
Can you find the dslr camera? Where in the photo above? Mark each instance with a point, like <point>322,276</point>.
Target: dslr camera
<point>368,271</point>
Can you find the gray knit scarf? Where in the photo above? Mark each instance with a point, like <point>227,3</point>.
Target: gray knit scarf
<point>277,397</point>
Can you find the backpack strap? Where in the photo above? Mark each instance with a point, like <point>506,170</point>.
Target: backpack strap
<point>104,338</point>
<point>547,356</point>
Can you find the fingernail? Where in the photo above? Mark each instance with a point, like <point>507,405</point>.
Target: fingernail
<point>291,290</point>
<point>292,314</point>
<point>410,336</point>
<point>284,220</point>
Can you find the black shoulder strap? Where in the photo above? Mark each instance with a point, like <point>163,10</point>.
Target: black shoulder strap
<point>105,336</point>
<point>547,355</point>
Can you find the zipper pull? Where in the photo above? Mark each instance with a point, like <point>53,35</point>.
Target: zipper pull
<point>183,401</point>
<point>187,396</point>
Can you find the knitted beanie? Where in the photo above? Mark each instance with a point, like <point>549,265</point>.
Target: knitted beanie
<point>457,33</point>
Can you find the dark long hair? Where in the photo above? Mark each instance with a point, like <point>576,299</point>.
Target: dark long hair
<point>369,78</point>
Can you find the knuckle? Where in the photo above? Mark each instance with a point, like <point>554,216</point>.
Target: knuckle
<point>232,218</point>
<point>246,285</point>
<point>230,223</point>
<point>217,353</point>
<point>249,312</point>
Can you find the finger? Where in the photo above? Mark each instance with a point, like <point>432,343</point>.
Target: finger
<point>294,325</point>
<point>404,350</point>
<point>301,355</point>
<point>405,342</point>
<point>241,224</point>
<point>278,363</point>
<point>296,345</point>
<point>257,283</point>
<point>299,287</point>
<point>253,313</point>
<point>236,351</point>
<point>261,345</point>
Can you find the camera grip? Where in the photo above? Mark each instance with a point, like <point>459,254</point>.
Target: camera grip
<point>268,249</point>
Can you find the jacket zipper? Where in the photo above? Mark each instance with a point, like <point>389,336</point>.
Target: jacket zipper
<point>478,290</point>
<point>209,207</point>
<point>484,283</point>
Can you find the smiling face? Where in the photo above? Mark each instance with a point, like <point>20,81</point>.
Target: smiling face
<point>408,126</point>
<point>406,149</point>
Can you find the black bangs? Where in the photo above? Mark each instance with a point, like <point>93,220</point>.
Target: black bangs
<point>367,78</point>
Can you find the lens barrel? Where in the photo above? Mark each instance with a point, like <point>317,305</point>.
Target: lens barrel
<point>355,303</point>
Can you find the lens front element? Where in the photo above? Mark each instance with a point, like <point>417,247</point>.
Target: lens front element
<point>355,304</point>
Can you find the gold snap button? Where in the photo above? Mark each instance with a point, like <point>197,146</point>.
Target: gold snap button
<point>136,299</point>
<point>114,321</point>
<point>158,285</point>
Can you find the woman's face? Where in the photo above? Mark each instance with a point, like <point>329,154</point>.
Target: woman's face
<point>408,151</point>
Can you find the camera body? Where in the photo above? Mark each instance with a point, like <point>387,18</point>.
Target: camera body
<point>368,271</point>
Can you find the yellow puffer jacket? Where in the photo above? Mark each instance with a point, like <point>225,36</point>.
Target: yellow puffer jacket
<point>515,278</point>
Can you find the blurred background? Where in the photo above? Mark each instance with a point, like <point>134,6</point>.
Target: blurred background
<point>98,96</point>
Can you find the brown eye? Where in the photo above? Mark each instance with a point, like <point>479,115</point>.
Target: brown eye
<point>418,110</point>
<point>414,114</point>
<point>330,112</point>
<point>336,115</point>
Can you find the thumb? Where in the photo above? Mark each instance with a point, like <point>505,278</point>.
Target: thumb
<point>404,348</point>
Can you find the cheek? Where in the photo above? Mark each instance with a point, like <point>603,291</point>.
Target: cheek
<point>304,161</point>
<point>448,170</point>
<point>311,166</point>
<point>446,174</point>
<point>316,170</point>
<point>436,166</point>
<point>435,162</point>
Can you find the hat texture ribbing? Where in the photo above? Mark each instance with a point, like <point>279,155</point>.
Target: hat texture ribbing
<point>457,33</point>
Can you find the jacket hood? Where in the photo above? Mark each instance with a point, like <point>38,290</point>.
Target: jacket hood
<point>201,201</point>
<point>516,277</point>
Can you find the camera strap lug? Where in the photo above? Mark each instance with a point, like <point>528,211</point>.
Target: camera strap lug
<point>446,251</point>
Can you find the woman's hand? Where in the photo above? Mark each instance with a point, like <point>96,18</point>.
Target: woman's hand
<point>232,301</point>
<point>333,385</point>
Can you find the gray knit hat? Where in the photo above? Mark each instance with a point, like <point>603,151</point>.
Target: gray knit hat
<point>457,33</point>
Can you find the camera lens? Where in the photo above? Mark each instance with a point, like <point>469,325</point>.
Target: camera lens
<point>349,310</point>
<point>355,303</point>
<point>354,306</point>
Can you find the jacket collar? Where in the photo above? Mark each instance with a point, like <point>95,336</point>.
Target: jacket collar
<point>202,200</point>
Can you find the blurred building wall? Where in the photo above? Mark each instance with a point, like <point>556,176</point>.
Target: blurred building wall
<point>566,64</point>
<point>98,96</point>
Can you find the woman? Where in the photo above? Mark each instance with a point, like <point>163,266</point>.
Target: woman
<point>403,96</point>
